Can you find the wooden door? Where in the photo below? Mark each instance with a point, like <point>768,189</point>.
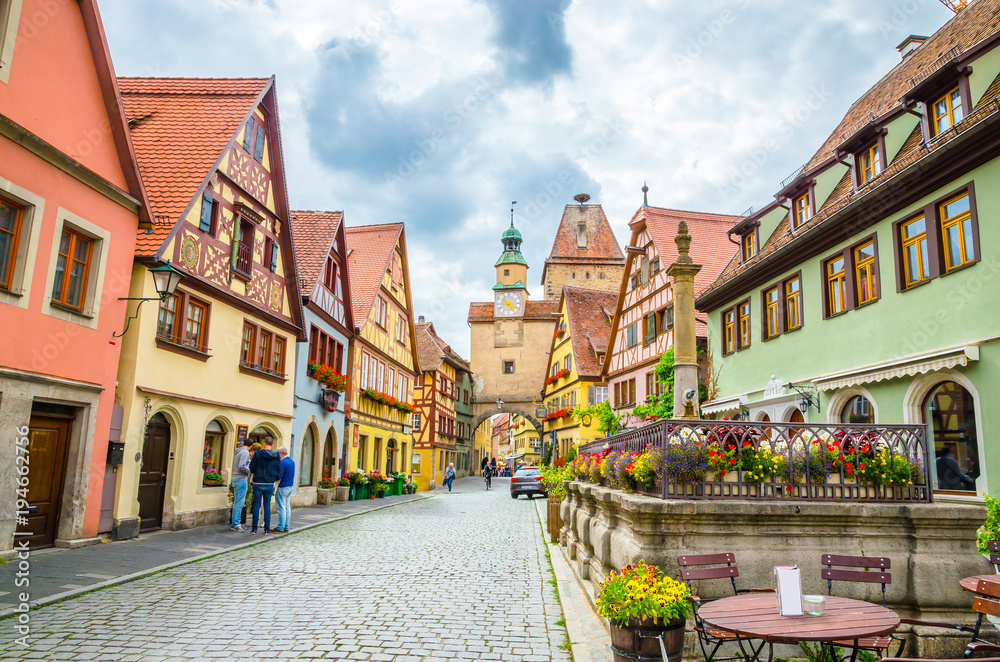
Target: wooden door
<point>48,438</point>
<point>329,461</point>
<point>153,473</point>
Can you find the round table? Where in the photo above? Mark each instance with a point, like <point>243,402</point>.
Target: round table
<point>970,584</point>
<point>756,616</point>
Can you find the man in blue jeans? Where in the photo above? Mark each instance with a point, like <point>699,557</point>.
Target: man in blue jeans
<point>286,483</point>
<point>241,472</point>
<point>265,468</point>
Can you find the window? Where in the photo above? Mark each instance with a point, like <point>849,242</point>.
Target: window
<point>508,367</point>
<point>248,136</point>
<point>665,319</point>
<point>330,274</point>
<point>415,464</point>
<point>69,287</point>
<point>771,309</point>
<point>306,458</point>
<point>168,320</point>
<point>600,394</point>
<point>947,111</point>
<point>913,238</point>
<point>381,377</point>
<point>957,232</point>
<point>195,325</point>
<point>373,373</point>
<point>600,357</point>
<point>10,235</point>
<point>215,434</point>
<point>381,311</point>
<point>644,270</point>
<point>325,350</point>
<point>246,351</point>
<point>749,245</point>
<point>649,328</point>
<point>568,362</point>
<point>506,272</point>
<point>632,334</point>
<point>858,410</point>
<point>869,164</point>
<point>635,281</point>
<point>654,266</point>
<point>865,277</point>
<point>258,148</point>
<point>244,247</point>
<point>404,388</point>
<point>271,253</point>
<point>728,331</point>
<point>264,348</point>
<point>793,303</point>
<point>209,211</point>
<point>416,422</point>
<point>836,287</point>
<point>744,313</point>
<point>266,355</point>
<point>802,210</point>
<point>401,329</point>
<point>364,370</point>
<point>650,385</point>
<point>278,357</point>
<point>629,390</point>
<point>581,235</point>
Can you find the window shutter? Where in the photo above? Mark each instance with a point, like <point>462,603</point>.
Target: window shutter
<point>205,224</point>
<point>248,136</point>
<point>274,255</point>
<point>591,395</point>
<point>258,149</point>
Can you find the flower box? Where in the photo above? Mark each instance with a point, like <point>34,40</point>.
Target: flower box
<point>343,493</point>
<point>324,496</point>
<point>213,483</point>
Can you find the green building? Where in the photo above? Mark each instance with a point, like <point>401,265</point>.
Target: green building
<point>868,278</point>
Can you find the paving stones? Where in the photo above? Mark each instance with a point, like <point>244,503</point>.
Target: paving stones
<point>458,578</point>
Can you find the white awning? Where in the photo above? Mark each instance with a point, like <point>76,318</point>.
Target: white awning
<point>724,405</point>
<point>917,364</point>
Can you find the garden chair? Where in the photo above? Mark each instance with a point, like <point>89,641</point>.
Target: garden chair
<point>696,568</point>
<point>994,547</point>
<point>983,606</point>
<point>991,589</point>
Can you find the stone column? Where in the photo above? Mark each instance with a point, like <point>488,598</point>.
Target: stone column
<point>685,342</point>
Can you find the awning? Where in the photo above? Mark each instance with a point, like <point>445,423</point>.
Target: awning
<point>724,405</point>
<point>918,364</point>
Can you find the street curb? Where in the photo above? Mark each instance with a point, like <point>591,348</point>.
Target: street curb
<point>124,579</point>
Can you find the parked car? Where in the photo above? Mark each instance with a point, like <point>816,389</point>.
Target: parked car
<point>527,480</point>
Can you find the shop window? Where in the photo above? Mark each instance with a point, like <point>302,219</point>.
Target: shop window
<point>259,433</point>
<point>858,410</point>
<point>215,435</point>
<point>73,262</point>
<point>415,464</point>
<point>306,458</point>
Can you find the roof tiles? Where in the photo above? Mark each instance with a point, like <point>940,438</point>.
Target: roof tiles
<point>601,245</point>
<point>482,311</point>
<point>313,233</point>
<point>432,350</point>
<point>588,315</point>
<point>369,248</point>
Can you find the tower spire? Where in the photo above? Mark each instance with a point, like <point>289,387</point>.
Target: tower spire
<point>645,190</point>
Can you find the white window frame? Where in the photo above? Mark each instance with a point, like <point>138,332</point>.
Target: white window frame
<point>364,370</point>
<point>33,207</point>
<point>381,377</point>
<point>415,462</point>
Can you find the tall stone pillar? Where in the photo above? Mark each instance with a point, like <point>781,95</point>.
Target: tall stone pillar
<point>685,341</point>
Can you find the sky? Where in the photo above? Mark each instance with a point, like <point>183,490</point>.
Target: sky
<point>440,113</point>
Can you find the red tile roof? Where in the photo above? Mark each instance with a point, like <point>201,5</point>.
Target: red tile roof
<point>482,311</point>
<point>179,128</point>
<point>601,243</point>
<point>589,315</point>
<point>369,249</point>
<point>313,233</point>
<point>432,350</point>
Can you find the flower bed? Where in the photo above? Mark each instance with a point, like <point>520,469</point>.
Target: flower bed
<point>724,459</point>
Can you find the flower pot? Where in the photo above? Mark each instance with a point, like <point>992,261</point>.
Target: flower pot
<point>212,483</point>
<point>343,493</point>
<point>324,496</point>
<point>638,640</point>
<point>380,494</point>
<point>353,492</point>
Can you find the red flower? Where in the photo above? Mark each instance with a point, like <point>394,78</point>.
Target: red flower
<point>861,465</point>
<point>732,461</point>
<point>788,488</point>
<point>722,472</point>
<point>746,443</point>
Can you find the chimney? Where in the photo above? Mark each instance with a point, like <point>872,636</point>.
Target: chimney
<point>420,320</point>
<point>910,44</point>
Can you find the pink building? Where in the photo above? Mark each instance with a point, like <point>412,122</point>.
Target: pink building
<point>643,325</point>
<point>71,202</point>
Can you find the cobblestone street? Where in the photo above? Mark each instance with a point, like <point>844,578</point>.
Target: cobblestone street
<point>459,576</point>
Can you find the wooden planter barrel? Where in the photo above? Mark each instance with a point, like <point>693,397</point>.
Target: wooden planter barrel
<point>553,518</point>
<point>639,640</point>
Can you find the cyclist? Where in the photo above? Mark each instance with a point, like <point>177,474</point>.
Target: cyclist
<point>488,473</point>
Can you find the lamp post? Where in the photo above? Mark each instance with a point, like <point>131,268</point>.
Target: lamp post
<point>165,279</point>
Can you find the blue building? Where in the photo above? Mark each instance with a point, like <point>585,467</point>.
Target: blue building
<point>318,446</point>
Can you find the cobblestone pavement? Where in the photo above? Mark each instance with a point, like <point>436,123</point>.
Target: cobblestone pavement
<point>460,576</point>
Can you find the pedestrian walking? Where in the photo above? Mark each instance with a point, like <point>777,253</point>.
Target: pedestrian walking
<point>241,473</point>
<point>286,483</point>
<point>265,467</point>
<point>449,475</point>
<point>493,466</point>
<point>488,475</point>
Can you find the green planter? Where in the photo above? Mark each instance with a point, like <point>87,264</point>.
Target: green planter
<point>353,496</point>
<point>397,486</point>
<point>364,491</point>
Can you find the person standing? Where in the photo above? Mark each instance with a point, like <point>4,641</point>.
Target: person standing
<point>241,472</point>
<point>449,475</point>
<point>493,466</point>
<point>265,467</point>
<point>286,483</point>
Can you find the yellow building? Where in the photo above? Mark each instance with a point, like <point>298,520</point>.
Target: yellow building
<point>526,441</point>
<point>383,354</point>
<point>578,348</point>
<point>482,446</point>
<point>435,425</point>
<point>209,364</point>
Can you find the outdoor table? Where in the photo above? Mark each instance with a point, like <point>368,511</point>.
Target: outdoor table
<point>756,616</point>
<point>970,584</point>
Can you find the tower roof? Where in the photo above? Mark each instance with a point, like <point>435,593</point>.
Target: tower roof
<point>511,232</point>
<point>598,245</point>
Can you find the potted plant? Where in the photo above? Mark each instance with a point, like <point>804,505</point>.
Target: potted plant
<point>325,491</point>
<point>380,490</point>
<point>643,605</point>
<point>343,489</point>
<point>213,478</point>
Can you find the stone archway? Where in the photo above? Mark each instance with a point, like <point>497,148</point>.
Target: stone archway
<point>508,409</point>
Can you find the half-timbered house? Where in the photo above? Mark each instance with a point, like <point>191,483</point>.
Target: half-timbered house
<point>208,365</point>
<point>642,328</point>
<point>383,354</point>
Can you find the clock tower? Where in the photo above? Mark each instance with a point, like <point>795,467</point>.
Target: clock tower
<point>510,294</point>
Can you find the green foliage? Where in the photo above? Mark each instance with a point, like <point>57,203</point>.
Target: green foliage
<point>662,406</point>
<point>608,422</point>
<point>553,478</point>
<point>819,653</point>
<point>642,591</point>
<point>990,530</point>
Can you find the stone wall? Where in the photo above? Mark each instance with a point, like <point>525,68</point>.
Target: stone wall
<point>931,547</point>
<point>595,276</point>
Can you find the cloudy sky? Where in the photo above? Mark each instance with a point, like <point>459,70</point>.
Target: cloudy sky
<point>439,113</point>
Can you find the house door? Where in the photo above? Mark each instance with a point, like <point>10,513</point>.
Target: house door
<point>329,457</point>
<point>153,473</point>
<point>48,438</point>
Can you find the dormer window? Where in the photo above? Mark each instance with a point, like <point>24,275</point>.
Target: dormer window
<point>748,244</point>
<point>581,235</point>
<point>948,111</point>
<point>802,210</point>
<point>869,163</point>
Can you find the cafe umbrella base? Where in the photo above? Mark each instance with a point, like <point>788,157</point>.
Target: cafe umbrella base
<point>646,640</point>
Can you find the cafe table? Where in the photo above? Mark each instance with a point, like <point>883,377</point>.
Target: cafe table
<point>756,616</point>
<point>971,584</point>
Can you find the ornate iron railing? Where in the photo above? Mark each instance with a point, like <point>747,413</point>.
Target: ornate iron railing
<point>743,460</point>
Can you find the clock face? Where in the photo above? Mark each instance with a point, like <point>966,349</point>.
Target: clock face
<point>508,304</point>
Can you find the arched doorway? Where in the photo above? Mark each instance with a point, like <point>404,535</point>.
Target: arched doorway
<point>796,417</point>
<point>153,473</point>
<point>390,457</point>
<point>306,457</point>
<point>330,456</point>
<point>950,414</point>
<point>858,410</point>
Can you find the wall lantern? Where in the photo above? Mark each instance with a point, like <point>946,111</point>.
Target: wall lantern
<point>165,280</point>
<point>810,397</point>
<point>499,404</point>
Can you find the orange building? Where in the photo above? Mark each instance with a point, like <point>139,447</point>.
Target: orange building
<point>70,203</point>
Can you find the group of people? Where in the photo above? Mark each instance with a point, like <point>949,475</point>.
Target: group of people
<point>256,465</point>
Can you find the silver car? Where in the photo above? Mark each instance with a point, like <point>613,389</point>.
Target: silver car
<point>527,480</point>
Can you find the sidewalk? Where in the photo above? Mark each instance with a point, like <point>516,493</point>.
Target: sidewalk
<point>58,573</point>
